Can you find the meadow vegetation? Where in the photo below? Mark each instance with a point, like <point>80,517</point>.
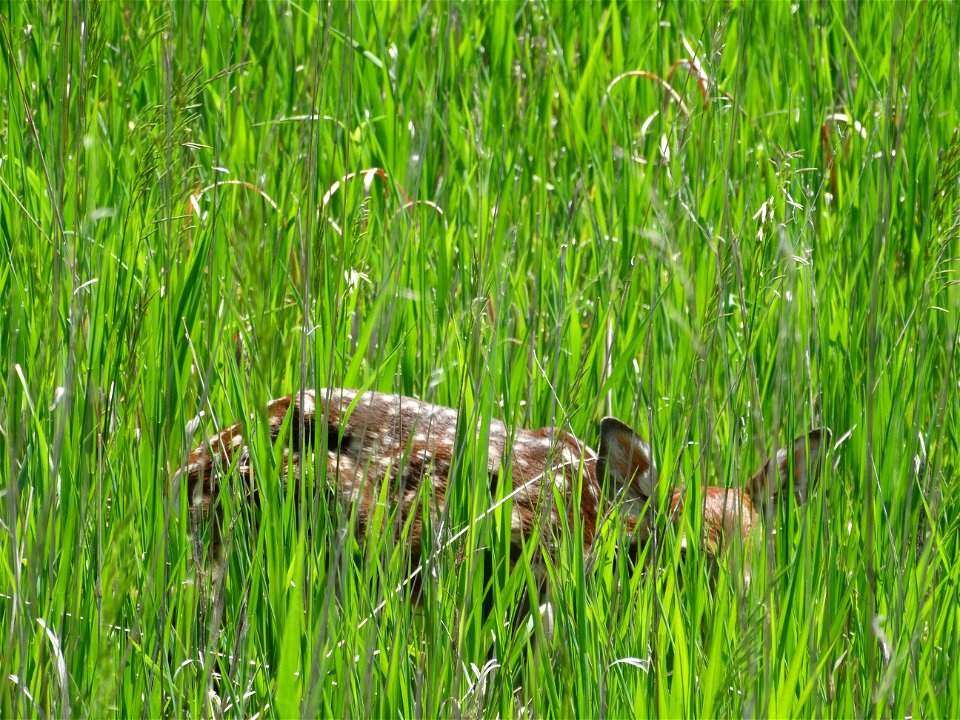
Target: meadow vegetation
<point>725,223</point>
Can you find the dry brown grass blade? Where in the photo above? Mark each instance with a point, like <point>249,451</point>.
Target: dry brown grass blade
<point>671,93</point>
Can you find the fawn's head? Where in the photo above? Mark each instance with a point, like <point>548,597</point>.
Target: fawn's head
<point>729,514</point>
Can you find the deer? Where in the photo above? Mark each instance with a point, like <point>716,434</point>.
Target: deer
<point>371,438</point>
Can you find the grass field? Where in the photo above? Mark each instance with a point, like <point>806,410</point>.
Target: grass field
<point>726,223</point>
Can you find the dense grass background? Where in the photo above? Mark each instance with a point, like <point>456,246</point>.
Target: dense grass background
<point>499,208</point>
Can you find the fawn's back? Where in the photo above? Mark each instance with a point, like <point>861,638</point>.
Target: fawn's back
<point>376,438</point>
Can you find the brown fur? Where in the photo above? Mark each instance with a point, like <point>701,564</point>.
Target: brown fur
<point>378,438</point>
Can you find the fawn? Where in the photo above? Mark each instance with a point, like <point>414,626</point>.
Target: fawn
<point>372,438</point>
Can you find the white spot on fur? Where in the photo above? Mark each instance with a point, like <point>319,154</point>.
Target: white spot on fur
<point>569,457</point>
<point>516,523</point>
<point>308,405</point>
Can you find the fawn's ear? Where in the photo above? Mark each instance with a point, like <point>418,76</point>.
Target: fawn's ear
<point>806,460</point>
<point>625,459</point>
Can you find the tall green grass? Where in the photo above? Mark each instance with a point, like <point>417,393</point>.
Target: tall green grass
<point>501,208</point>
